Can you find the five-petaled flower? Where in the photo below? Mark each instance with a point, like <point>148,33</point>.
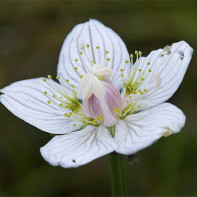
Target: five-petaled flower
<point>106,100</point>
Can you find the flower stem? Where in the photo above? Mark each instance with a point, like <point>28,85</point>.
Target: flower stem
<point>118,183</point>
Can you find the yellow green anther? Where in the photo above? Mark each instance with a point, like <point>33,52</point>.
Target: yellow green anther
<point>100,117</point>
<point>140,53</point>
<point>66,115</point>
<point>54,95</point>
<point>108,59</point>
<point>136,52</point>
<point>148,63</point>
<point>61,105</point>
<point>76,60</point>
<point>93,122</point>
<point>122,75</point>
<point>72,86</point>
<point>121,70</point>
<point>97,47</point>
<point>127,61</point>
<point>81,76</point>
<point>44,79</point>
<point>139,70</point>
<point>57,77</point>
<point>49,77</point>
<point>48,101</point>
<point>87,45</point>
<point>117,110</point>
<point>149,70</point>
<point>93,61</point>
<point>74,125</point>
<point>107,52</point>
<point>61,97</point>
<point>130,97</point>
<point>138,106</point>
<point>75,68</point>
<point>45,92</point>
<point>131,56</point>
<point>134,92</point>
<point>81,53</point>
<point>67,80</point>
<point>145,90</point>
<point>142,79</point>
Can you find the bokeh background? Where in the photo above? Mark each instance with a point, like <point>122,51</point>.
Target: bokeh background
<point>31,35</point>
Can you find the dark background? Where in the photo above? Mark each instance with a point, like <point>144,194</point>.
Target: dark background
<point>31,35</point>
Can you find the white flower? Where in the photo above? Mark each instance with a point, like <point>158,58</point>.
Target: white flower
<point>104,102</point>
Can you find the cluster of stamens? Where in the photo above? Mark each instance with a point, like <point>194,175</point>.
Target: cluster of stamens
<point>135,76</point>
<point>68,100</point>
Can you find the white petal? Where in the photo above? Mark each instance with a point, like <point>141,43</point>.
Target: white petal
<point>94,34</point>
<point>98,88</point>
<point>156,79</point>
<point>101,70</point>
<point>91,84</point>
<point>26,100</point>
<point>142,129</point>
<point>171,66</point>
<point>85,86</point>
<point>78,148</point>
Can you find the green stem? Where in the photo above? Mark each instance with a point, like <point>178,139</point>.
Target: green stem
<point>118,183</point>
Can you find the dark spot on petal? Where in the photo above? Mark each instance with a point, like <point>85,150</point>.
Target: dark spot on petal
<point>181,55</point>
<point>73,161</point>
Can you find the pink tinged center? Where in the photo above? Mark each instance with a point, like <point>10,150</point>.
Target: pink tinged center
<point>94,106</point>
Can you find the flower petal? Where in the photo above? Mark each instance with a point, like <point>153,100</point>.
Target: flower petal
<point>91,84</point>
<point>78,148</point>
<point>26,100</point>
<point>89,42</point>
<point>142,129</point>
<point>168,67</point>
<point>101,70</point>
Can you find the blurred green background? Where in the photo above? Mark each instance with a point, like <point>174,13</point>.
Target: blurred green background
<point>31,35</point>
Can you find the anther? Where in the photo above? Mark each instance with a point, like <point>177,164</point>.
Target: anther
<point>67,80</point>
<point>121,70</point>
<point>148,63</point>
<point>87,45</point>
<point>44,79</point>
<point>108,59</point>
<point>127,61</point>
<point>49,77</point>
<point>81,76</point>
<point>140,53</point>
<point>76,60</point>
<point>57,77</point>
<point>145,90</point>
<point>45,92</point>
<point>53,95</point>
<point>81,53</point>
<point>131,56</point>
<point>75,68</point>
<point>97,47</point>
<point>138,106</point>
<point>107,52</point>
<point>149,70</point>
<point>139,70</point>
<point>74,125</point>
<point>48,101</point>
<point>136,53</point>
<point>142,79</point>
